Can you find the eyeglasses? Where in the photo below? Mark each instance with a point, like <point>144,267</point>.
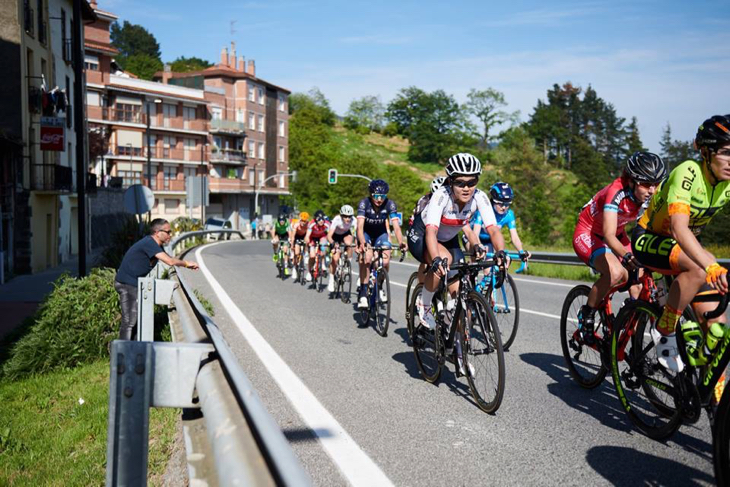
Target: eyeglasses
<point>379,196</point>
<point>469,183</point>
<point>169,232</point>
<point>346,217</point>
<point>319,220</point>
<point>647,185</point>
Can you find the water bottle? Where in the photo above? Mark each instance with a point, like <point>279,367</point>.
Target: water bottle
<point>714,336</point>
<point>693,339</point>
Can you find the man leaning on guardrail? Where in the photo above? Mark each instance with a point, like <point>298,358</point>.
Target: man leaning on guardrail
<point>139,260</point>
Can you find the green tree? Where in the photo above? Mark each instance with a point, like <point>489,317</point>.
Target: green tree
<point>365,114</point>
<point>675,152</point>
<point>633,140</point>
<point>186,64</point>
<point>143,65</point>
<point>133,39</point>
<point>316,102</point>
<point>486,106</point>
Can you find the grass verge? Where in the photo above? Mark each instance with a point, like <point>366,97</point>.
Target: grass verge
<point>53,429</point>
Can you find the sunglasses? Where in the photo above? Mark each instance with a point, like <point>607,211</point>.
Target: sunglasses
<point>723,153</point>
<point>379,196</point>
<point>502,204</point>
<point>469,183</point>
<point>647,185</point>
<point>169,232</point>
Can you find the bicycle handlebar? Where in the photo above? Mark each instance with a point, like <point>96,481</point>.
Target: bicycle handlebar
<point>721,307</point>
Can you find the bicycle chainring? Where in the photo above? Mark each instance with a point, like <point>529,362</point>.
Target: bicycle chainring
<point>689,400</point>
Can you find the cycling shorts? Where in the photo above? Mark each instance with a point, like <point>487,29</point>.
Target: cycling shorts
<point>658,252</point>
<point>588,245</point>
<point>339,237</point>
<point>417,243</point>
<point>381,240</point>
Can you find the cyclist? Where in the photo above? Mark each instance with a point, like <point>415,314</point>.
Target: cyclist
<point>501,196</point>
<point>433,238</point>
<point>316,235</point>
<point>421,204</point>
<point>600,238</point>
<point>280,233</point>
<point>340,232</point>
<point>375,214</point>
<point>666,237</point>
<point>297,231</point>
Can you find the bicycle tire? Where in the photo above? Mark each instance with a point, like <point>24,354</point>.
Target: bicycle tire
<point>482,348</point>
<point>318,267</point>
<point>424,344</point>
<point>508,320</point>
<point>584,362</point>
<point>382,309</point>
<point>302,271</point>
<point>721,441</point>
<point>413,278</point>
<point>345,282</point>
<point>650,408</point>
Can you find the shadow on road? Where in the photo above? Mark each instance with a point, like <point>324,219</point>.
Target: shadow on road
<point>626,466</point>
<point>301,435</point>
<point>600,403</point>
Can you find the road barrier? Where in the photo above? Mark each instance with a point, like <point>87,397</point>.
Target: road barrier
<point>198,371</point>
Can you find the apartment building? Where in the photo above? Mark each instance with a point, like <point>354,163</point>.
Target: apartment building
<point>150,133</point>
<point>38,150</point>
<point>249,133</point>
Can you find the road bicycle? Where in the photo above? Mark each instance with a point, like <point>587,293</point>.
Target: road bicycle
<point>282,251</point>
<point>656,400</point>
<point>299,262</point>
<point>320,270</point>
<point>588,355</point>
<point>343,274</point>
<point>466,334</point>
<point>378,293</point>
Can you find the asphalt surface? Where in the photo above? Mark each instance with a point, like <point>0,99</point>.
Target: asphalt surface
<point>548,431</point>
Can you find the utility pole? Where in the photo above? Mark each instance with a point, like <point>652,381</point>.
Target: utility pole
<point>79,128</point>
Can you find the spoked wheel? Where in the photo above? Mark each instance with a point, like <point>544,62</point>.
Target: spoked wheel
<point>583,359</point>
<point>281,266</point>
<point>646,390</point>
<point>482,353</point>
<point>425,346</point>
<point>382,306</point>
<point>321,274</point>
<point>721,441</point>
<point>505,303</point>
<point>345,281</point>
<point>302,271</point>
<point>411,284</point>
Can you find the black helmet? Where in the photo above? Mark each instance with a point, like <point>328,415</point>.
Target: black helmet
<point>318,215</point>
<point>378,186</point>
<point>714,132</point>
<point>282,217</point>
<point>501,193</point>
<point>646,167</point>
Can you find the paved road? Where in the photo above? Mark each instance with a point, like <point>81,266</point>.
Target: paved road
<point>548,431</point>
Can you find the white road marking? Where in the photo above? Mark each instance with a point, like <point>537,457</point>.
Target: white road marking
<point>354,464</point>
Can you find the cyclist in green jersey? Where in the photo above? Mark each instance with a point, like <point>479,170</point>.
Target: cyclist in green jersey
<point>280,233</point>
<point>666,236</point>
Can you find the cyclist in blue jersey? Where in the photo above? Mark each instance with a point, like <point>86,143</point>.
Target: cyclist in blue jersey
<point>375,214</point>
<point>502,197</point>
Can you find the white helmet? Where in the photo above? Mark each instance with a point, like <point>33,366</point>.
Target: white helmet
<point>437,183</point>
<point>347,210</point>
<point>463,164</point>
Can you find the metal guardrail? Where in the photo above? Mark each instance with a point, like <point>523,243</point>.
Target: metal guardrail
<point>572,259</point>
<point>197,371</point>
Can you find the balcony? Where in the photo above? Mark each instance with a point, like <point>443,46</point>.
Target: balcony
<point>231,156</point>
<point>51,177</point>
<point>179,123</point>
<point>168,153</point>
<point>218,126</point>
<point>114,115</point>
<point>161,183</point>
<point>224,185</point>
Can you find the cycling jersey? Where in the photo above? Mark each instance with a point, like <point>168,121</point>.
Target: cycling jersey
<point>617,197</point>
<point>281,229</point>
<point>443,213</point>
<point>318,231</point>
<point>421,205</point>
<point>300,230</point>
<point>341,228</point>
<point>375,218</point>
<point>503,219</point>
<point>686,191</point>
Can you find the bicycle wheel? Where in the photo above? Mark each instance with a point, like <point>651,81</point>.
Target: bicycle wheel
<point>583,361</point>
<point>345,281</point>
<point>482,349</point>
<point>721,441</point>
<point>645,389</point>
<point>409,288</point>
<point>382,311</point>
<point>505,303</point>
<point>425,347</point>
<point>319,266</point>
<point>302,271</point>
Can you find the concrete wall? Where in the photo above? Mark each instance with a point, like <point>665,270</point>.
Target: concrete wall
<point>106,215</point>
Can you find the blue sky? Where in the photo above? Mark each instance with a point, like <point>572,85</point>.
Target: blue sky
<point>661,61</point>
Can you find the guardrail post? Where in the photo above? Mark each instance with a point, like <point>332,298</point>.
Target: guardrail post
<point>151,291</point>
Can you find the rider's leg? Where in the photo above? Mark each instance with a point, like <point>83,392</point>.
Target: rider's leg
<point>683,290</point>
<point>431,282</point>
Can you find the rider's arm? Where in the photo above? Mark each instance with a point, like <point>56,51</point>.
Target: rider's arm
<point>397,230</point>
<point>471,235</point>
<point>610,223</point>
<point>432,244</point>
<point>515,239</point>
<point>308,234</point>
<point>489,220</point>
<point>361,230</point>
<point>495,234</point>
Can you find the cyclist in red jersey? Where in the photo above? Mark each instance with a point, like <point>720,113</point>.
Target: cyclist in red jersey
<point>316,234</point>
<point>297,232</point>
<point>600,238</point>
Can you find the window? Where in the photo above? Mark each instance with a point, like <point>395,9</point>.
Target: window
<point>130,177</point>
<point>282,154</point>
<point>251,121</point>
<point>69,113</point>
<point>251,94</point>
<point>240,116</point>
<point>216,113</point>
<point>261,123</point>
<point>169,112</point>
<point>170,174</point>
<point>189,171</point>
<point>282,181</point>
<point>251,176</point>
<point>91,62</point>
<point>251,148</point>
<point>172,206</point>
<point>261,150</point>
<point>127,113</point>
<point>261,96</point>
<point>188,116</point>
<point>93,99</point>
<point>282,103</point>
<point>282,130</point>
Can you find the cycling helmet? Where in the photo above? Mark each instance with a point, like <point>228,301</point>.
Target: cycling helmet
<point>378,186</point>
<point>437,183</point>
<point>645,167</point>
<point>318,215</point>
<point>714,132</point>
<point>463,164</point>
<point>304,216</point>
<point>501,193</point>
<point>282,218</point>
<point>347,210</point>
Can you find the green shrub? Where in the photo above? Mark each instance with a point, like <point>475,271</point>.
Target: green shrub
<point>73,325</point>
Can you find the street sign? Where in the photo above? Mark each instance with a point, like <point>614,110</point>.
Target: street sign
<point>138,199</point>
<point>194,187</point>
<point>332,176</point>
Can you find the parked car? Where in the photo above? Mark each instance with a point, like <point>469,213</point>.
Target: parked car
<point>218,224</point>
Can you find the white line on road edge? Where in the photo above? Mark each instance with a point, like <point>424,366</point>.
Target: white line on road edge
<point>354,464</point>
